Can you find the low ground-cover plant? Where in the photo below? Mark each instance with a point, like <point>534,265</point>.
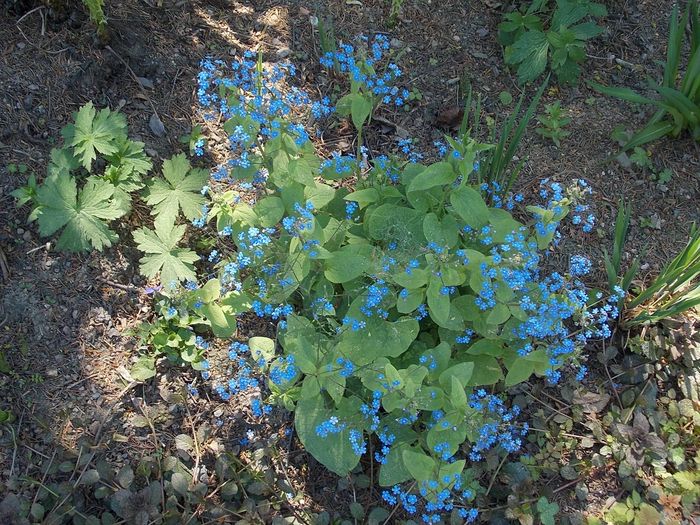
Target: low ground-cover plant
<point>399,305</point>
<point>678,105</point>
<point>545,33</point>
<point>552,123</point>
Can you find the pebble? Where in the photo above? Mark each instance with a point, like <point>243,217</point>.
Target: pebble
<point>283,52</point>
<point>395,43</point>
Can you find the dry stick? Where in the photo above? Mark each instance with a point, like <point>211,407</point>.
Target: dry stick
<point>612,384</point>
<point>14,440</point>
<point>46,247</point>
<point>493,478</point>
<point>198,452</point>
<point>531,500</point>
<point>127,287</point>
<point>43,479</point>
<point>156,444</point>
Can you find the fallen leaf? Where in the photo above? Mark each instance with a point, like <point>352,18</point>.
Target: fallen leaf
<point>450,118</point>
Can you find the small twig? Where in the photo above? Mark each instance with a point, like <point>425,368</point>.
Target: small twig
<point>127,287</point>
<point>46,247</point>
<point>4,267</point>
<point>14,441</point>
<point>43,479</point>
<point>493,478</point>
<point>198,452</point>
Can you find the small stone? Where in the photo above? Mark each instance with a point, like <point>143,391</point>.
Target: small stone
<point>283,52</point>
<point>395,43</point>
<point>52,372</point>
<point>145,82</point>
<point>156,125</point>
<point>27,236</point>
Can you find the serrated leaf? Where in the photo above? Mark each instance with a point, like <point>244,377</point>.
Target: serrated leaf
<point>95,132</point>
<point>530,52</point>
<point>163,256</point>
<point>82,213</point>
<point>179,190</point>
<point>131,158</point>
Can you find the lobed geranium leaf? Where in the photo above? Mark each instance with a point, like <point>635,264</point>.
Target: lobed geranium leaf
<point>163,255</point>
<point>95,132</point>
<point>179,190</point>
<point>83,214</point>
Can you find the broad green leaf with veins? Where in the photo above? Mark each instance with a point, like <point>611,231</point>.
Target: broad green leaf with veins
<point>95,132</point>
<point>179,190</point>
<point>82,213</point>
<point>163,256</point>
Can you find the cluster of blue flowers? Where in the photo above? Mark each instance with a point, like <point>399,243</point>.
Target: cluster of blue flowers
<point>363,70</point>
<point>500,429</point>
<point>558,319</point>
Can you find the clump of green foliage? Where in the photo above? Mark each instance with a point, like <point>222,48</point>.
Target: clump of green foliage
<point>540,34</point>
<point>89,183</point>
<point>678,102</point>
<point>97,16</point>
<point>553,122</point>
<point>673,292</point>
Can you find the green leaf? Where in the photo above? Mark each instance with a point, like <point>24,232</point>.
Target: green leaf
<point>94,133</point>
<point>144,368</point>
<point>130,158</point>
<point>530,52</point>
<point>333,451</point>
<point>547,511</point>
<point>397,223</point>
<point>421,466</point>
<point>520,371</point>
<point>262,348</point>
<point>360,110</point>
<point>437,174</point>
<point>487,371</point>
<point>444,233</point>
<point>394,471</point>
<point>498,315</point>
<point>319,194</point>
<point>270,211</point>
<point>438,303</point>
<point>82,213</point>
<point>163,256</point>
<point>470,206</point>
<point>379,339</point>
<point>179,190</point>
<point>462,372</point>
<point>458,397</point>
<point>363,197</point>
<point>221,319</point>
<point>344,266</point>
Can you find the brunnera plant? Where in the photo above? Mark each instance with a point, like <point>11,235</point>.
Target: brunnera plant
<point>400,305</point>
